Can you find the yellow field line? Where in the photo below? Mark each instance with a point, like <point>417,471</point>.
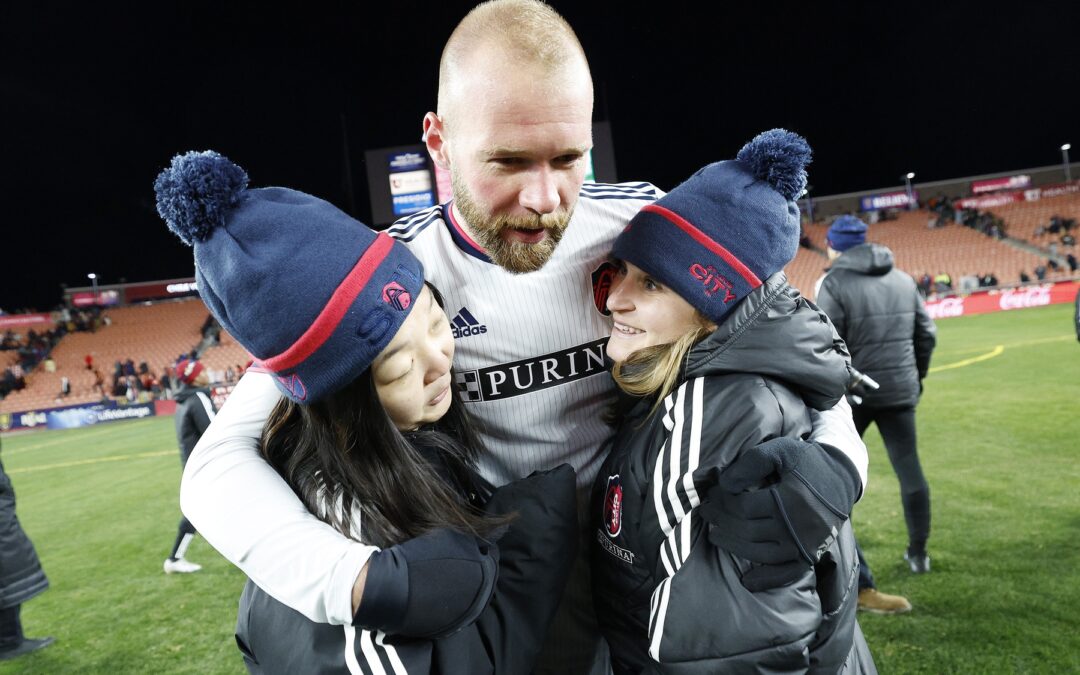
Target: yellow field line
<point>66,439</point>
<point>96,460</point>
<point>1025,343</point>
<point>997,351</point>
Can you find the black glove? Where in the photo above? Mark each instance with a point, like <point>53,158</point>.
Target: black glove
<point>786,525</point>
<point>429,586</point>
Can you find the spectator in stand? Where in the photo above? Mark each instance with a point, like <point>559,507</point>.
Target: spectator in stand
<point>942,283</point>
<point>166,382</point>
<point>1024,278</point>
<point>1040,272</point>
<point>194,412</point>
<point>65,386</point>
<point>1071,260</point>
<point>926,284</point>
<point>99,382</point>
<point>230,374</point>
<point>1068,240</point>
<point>21,577</point>
<point>89,359</point>
<point>129,367</point>
<point>1053,264</point>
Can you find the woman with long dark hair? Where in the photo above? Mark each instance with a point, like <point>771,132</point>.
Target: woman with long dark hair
<point>372,437</point>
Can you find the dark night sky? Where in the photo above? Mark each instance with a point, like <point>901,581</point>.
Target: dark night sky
<point>96,100</point>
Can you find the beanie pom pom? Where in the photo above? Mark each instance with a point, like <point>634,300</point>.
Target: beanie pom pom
<point>196,192</point>
<point>778,157</point>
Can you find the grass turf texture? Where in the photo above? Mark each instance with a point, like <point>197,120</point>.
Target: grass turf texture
<point>998,440</point>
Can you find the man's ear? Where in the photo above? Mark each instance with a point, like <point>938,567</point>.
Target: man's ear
<point>435,140</point>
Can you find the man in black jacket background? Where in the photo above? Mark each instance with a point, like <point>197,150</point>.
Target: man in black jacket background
<point>21,577</point>
<point>878,311</point>
<point>194,412</point>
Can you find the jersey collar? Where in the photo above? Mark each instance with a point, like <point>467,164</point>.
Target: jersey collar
<point>460,236</point>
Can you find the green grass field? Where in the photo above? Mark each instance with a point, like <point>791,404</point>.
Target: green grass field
<point>999,440</point>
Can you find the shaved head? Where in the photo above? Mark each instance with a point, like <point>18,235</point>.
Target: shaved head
<point>524,35</point>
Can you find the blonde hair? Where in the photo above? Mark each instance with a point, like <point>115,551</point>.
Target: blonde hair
<point>654,371</point>
<point>526,31</point>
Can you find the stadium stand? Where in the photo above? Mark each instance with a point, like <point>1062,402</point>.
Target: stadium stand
<point>960,251</point>
<point>155,334</point>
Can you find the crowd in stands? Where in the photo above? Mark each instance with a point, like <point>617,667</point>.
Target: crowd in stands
<point>36,346</point>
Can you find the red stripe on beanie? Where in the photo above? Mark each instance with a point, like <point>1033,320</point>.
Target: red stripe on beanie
<point>703,239</point>
<point>327,322</point>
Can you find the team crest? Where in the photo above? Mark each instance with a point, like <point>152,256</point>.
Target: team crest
<point>294,385</point>
<point>602,277</point>
<point>613,503</point>
<point>396,296</point>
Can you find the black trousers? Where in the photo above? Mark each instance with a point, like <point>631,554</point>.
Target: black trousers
<point>897,428</point>
<point>11,633</point>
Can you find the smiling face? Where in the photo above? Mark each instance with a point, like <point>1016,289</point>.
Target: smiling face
<point>412,374</point>
<point>645,313</point>
<point>514,137</point>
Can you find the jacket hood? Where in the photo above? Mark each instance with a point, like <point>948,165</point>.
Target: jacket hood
<point>873,259</point>
<point>777,333</point>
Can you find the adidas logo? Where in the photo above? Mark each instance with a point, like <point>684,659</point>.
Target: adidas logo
<point>465,324</point>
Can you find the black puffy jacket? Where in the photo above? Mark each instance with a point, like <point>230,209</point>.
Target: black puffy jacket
<point>21,576</point>
<point>669,601</point>
<point>878,311</point>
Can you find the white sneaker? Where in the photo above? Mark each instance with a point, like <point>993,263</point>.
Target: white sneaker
<point>181,566</point>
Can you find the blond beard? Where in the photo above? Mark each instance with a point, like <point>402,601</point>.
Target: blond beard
<point>516,257</point>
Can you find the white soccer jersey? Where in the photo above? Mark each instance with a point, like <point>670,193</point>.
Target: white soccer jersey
<point>530,347</point>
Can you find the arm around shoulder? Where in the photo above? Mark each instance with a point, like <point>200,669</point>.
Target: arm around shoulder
<point>246,511</point>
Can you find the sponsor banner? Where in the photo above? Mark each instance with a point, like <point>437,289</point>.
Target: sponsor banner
<point>411,188</point>
<point>889,200</point>
<point>104,298</point>
<point>990,201</point>
<point>172,289</point>
<point>1003,300</point>
<point>1048,191</point>
<point>978,187</point>
<point>1032,195</point>
<point>17,321</point>
<point>72,416</point>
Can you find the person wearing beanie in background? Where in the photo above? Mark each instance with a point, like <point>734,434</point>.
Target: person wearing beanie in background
<point>879,312</point>
<point>520,254</point>
<point>367,429</point>
<point>21,577</point>
<point>194,413</point>
<point>719,354</point>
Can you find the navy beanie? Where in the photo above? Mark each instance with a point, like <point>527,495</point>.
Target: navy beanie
<point>313,294</point>
<point>846,232</point>
<point>722,232</point>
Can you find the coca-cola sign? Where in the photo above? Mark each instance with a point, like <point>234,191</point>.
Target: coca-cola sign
<point>946,308</point>
<point>1019,298</point>
<point>982,302</point>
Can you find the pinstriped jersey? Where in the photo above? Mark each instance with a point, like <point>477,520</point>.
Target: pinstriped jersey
<point>529,348</point>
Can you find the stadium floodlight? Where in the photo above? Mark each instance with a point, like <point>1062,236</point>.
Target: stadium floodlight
<point>93,281</point>
<point>907,182</point>
<point>1065,161</point>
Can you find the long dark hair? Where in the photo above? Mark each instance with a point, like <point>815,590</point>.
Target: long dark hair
<point>344,452</point>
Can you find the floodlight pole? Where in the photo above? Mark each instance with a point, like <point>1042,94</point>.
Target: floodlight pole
<point>1065,161</point>
<point>93,282</point>
<point>910,197</point>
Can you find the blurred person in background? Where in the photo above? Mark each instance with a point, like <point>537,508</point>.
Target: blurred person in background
<point>194,412</point>
<point>21,577</point>
<point>879,313</point>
